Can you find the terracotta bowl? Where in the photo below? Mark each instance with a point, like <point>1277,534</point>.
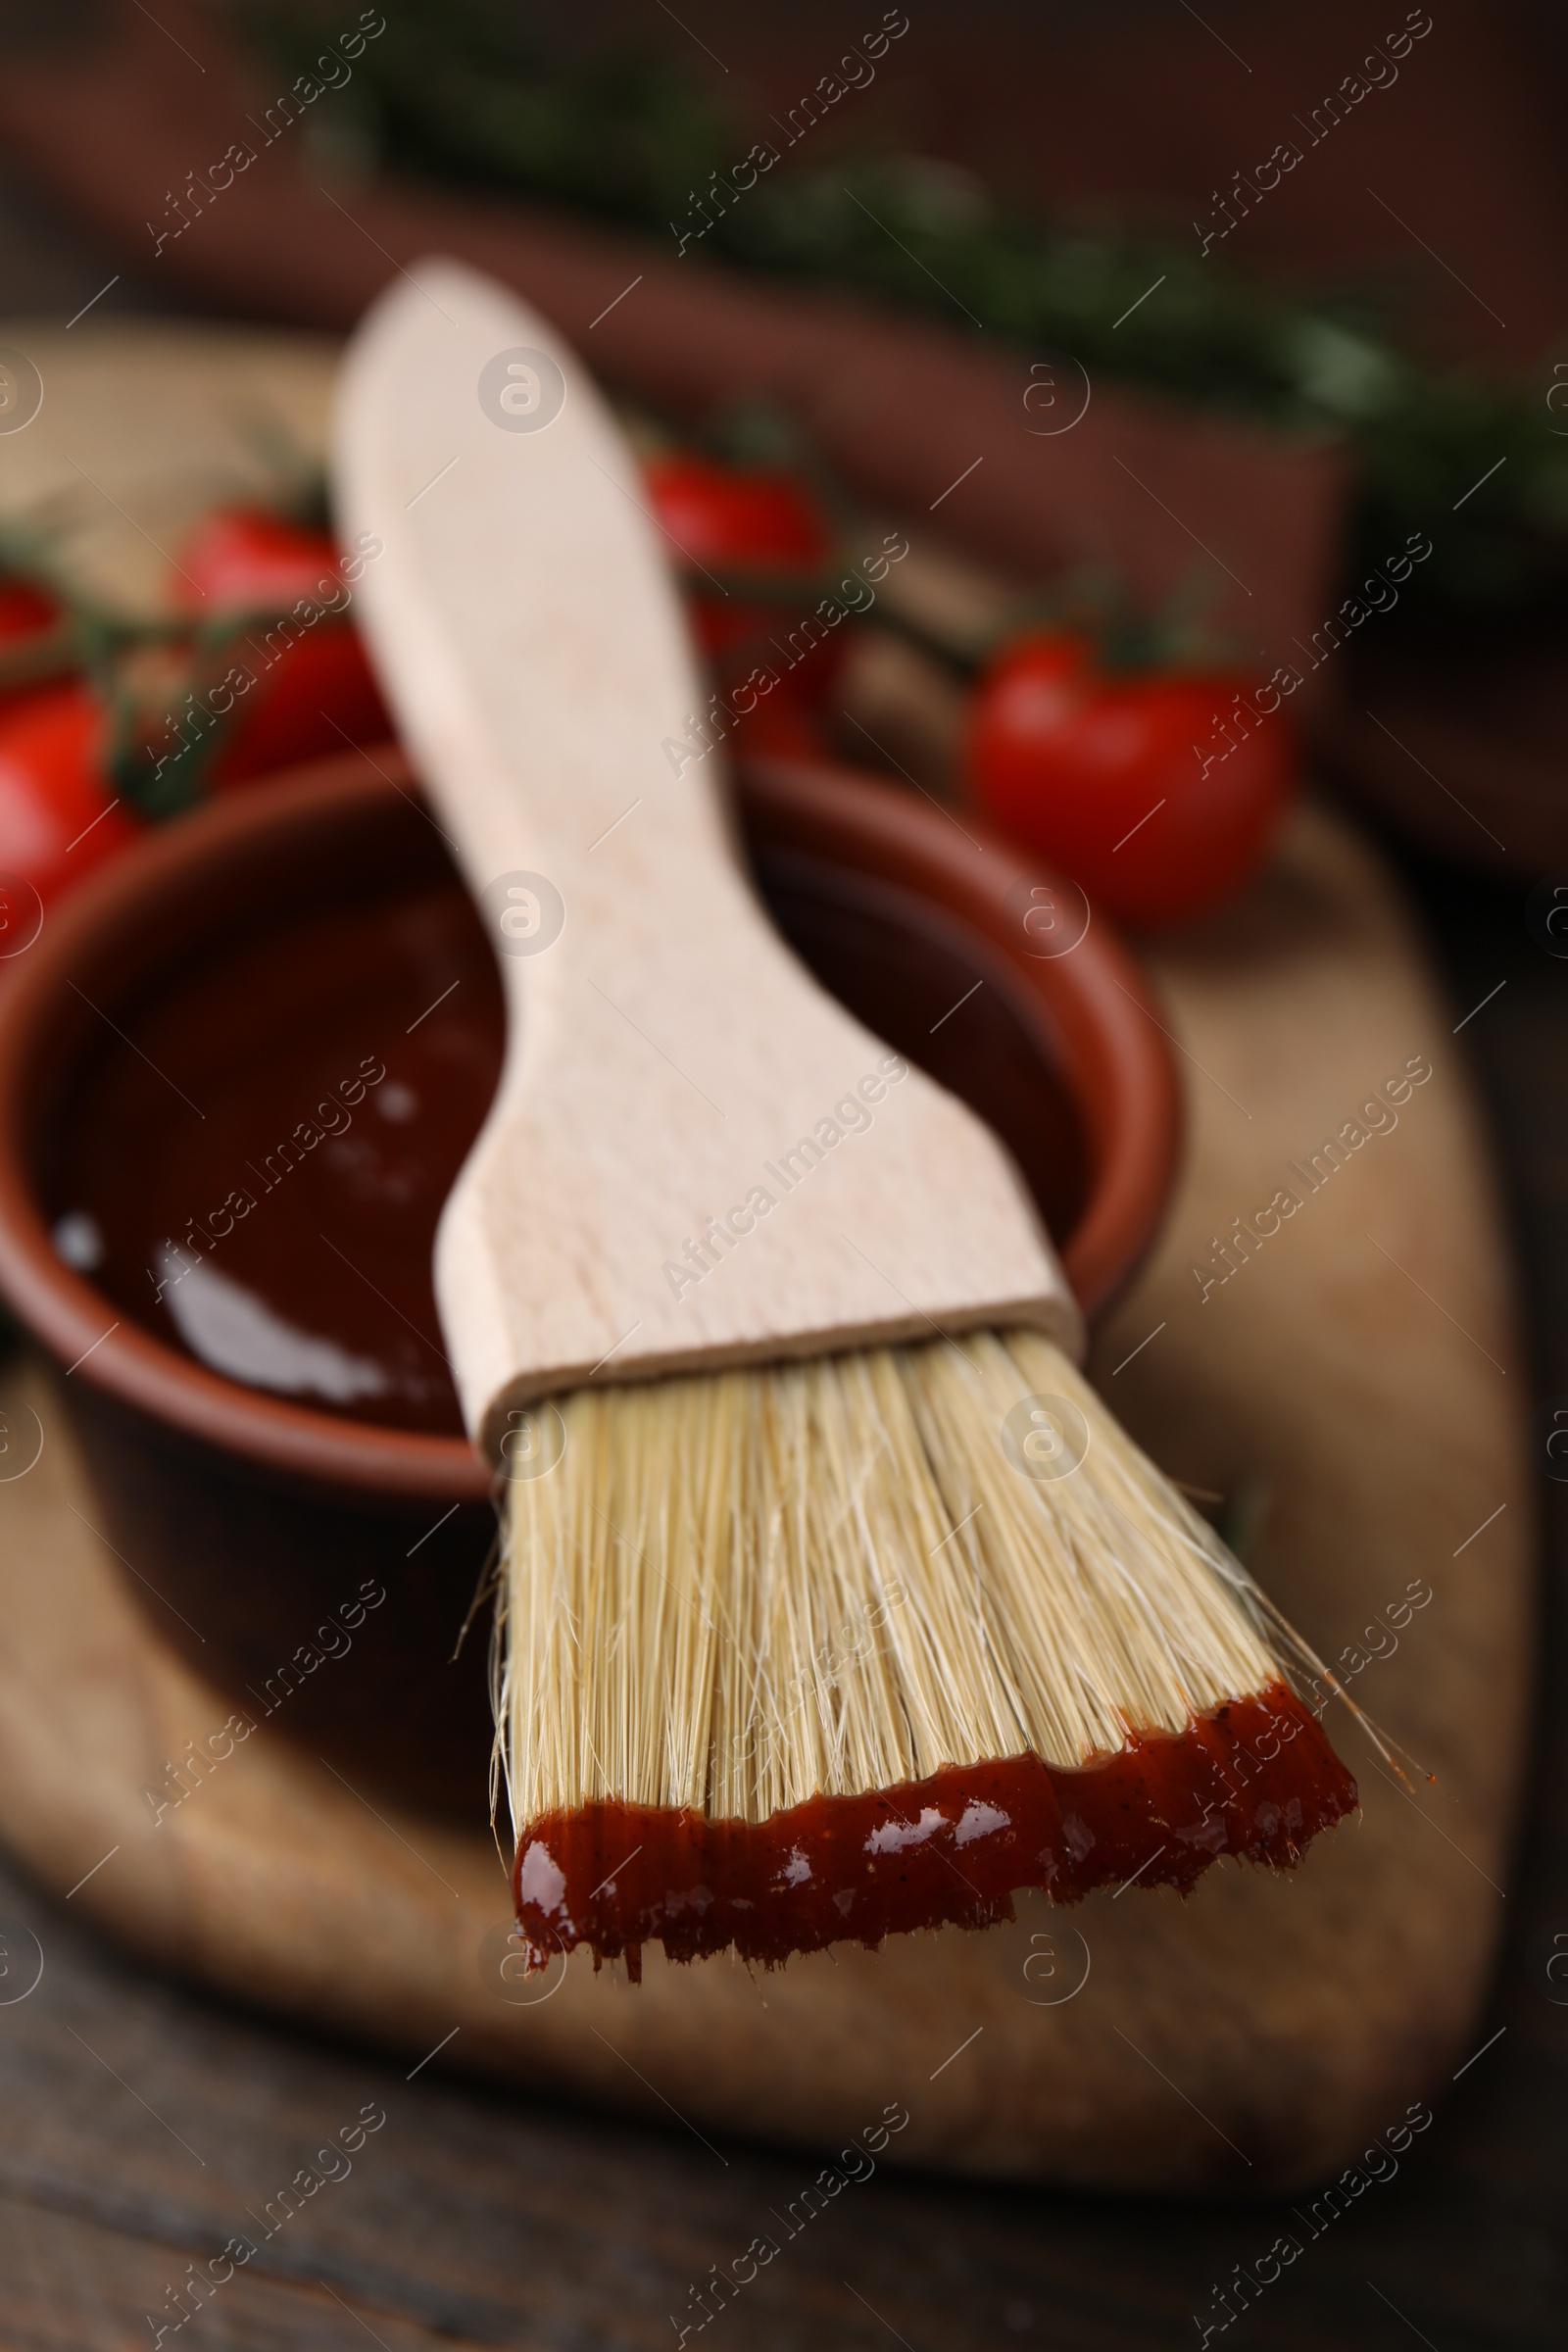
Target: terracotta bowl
<point>245,1517</point>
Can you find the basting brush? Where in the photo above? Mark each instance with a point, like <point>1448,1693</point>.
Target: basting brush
<point>834,1602</point>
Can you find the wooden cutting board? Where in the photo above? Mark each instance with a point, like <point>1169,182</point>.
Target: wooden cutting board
<point>1355,1379</point>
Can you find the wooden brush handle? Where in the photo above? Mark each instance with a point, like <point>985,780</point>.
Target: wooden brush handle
<point>509,508</point>
<point>665,1049</point>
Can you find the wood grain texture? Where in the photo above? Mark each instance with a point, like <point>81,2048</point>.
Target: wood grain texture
<point>665,1049</point>
<point>1255,2036</point>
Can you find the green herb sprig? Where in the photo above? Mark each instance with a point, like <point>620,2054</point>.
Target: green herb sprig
<point>468,92</point>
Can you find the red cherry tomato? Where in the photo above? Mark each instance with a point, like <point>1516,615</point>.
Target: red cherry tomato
<point>782,727</point>
<point>24,611</point>
<point>312,687</point>
<point>247,558</point>
<point>766,524</point>
<point>58,818</point>
<point>754,517</point>
<point>1116,779</point>
<point>29,619</point>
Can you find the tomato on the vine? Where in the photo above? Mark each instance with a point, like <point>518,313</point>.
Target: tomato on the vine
<point>1115,777</point>
<point>766,525</point>
<point>280,584</point>
<point>34,636</point>
<point>59,816</point>
<point>25,611</point>
<point>249,559</point>
<point>756,517</point>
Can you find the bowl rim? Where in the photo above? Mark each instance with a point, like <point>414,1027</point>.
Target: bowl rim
<point>1093,1000</point>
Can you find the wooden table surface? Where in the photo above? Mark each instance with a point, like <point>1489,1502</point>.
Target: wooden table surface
<point>145,2125</point>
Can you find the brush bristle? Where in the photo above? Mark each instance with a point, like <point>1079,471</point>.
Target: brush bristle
<point>737,1592</point>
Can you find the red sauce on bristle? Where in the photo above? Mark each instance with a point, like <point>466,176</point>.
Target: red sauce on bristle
<point>1254,1778</point>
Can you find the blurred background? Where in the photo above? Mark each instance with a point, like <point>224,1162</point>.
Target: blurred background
<point>1309,269</point>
